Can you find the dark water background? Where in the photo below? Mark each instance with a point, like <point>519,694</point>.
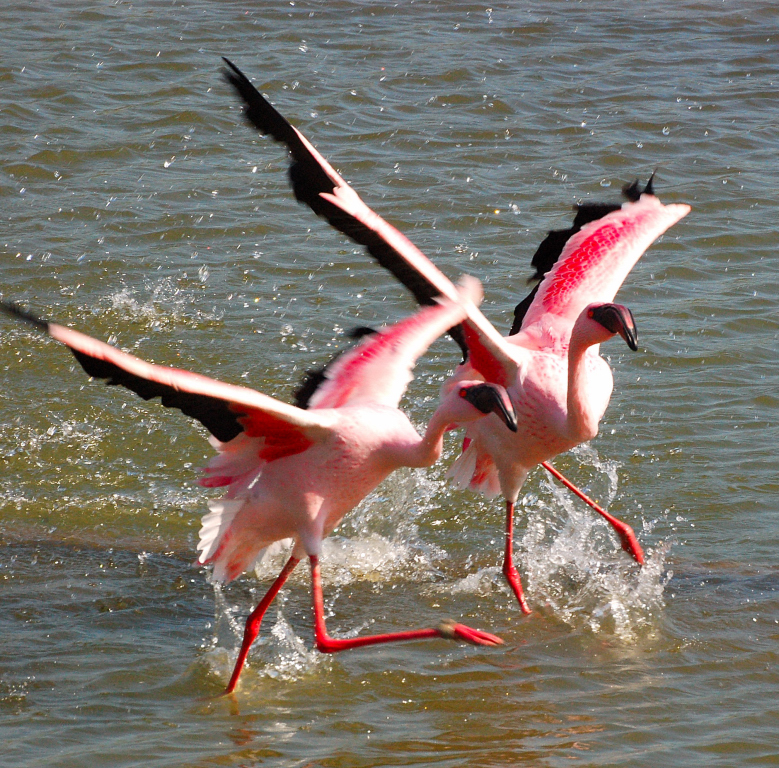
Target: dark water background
<point>137,207</point>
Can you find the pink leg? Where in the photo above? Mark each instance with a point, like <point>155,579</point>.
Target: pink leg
<point>326,644</point>
<point>509,571</point>
<point>255,619</point>
<point>623,530</point>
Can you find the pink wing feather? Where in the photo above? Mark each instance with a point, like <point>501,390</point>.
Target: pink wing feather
<point>378,369</point>
<point>598,258</point>
<point>485,345</point>
<point>317,184</point>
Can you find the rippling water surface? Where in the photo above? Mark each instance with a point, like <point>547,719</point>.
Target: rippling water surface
<point>139,208</point>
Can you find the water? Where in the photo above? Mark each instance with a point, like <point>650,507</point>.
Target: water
<point>139,208</point>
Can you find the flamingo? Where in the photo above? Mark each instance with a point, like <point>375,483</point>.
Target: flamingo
<point>291,472</point>
<point>550,363</point>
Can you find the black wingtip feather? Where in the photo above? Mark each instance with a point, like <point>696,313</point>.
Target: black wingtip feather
<point>214,414</point>
<point>257,109</point>
<point>309,180</point>
<point>634,191</point>
<point>306,175</point>
<point>12,310</point>
<point>315,377</point>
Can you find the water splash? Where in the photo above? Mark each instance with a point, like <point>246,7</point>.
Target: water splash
<point>159,305</point>
<point>481,583</point>
<point>380,539</point>
<point>78,438</point>
<point>572,565</point>
<point>278,653</point>
<point>291,658</point>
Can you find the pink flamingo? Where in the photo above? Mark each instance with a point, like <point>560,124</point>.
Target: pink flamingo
<point>550,365</point>
<point>294,473</point>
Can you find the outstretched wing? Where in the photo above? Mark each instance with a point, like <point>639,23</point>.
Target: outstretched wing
<point>225,410</point>
<point>316,183</point>
<point>316,377</point>
<point>319,186</point>
<point>551,247</point>
<point>378,369</point>
<point>597,259</point>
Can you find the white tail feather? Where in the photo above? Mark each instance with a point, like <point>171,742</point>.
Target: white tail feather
<point>464,473</point>
<point>235,458</point>
<point>215,524</point>
<point>463,468</point>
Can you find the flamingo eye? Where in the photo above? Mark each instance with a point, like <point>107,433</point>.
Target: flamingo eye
<point>590,313</point>
<point>463,392</point>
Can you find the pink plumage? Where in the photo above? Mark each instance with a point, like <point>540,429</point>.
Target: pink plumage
<point>598,258</point>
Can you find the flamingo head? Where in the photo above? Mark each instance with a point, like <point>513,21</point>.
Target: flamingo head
<point>614,318</point>
<point>488,398</point>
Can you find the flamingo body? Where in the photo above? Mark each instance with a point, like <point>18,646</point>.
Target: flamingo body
<point>546,428</point>
<point>559,384</point>
<point>365,444</point>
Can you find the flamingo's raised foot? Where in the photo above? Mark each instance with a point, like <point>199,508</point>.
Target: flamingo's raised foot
<point>326,644</point>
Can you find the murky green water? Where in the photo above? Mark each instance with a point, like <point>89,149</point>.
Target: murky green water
<point>138,207</point>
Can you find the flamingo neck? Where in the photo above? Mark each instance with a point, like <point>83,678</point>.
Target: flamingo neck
<point>430,447</point>
<point>582,420</point>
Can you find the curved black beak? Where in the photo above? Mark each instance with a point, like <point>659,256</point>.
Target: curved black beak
<point>617,319</point>
<point>492,398</point>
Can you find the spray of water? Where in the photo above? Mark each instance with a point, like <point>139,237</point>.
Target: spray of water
<point>162,304</point>
<point>378,542</point>
<point>572,565</point>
